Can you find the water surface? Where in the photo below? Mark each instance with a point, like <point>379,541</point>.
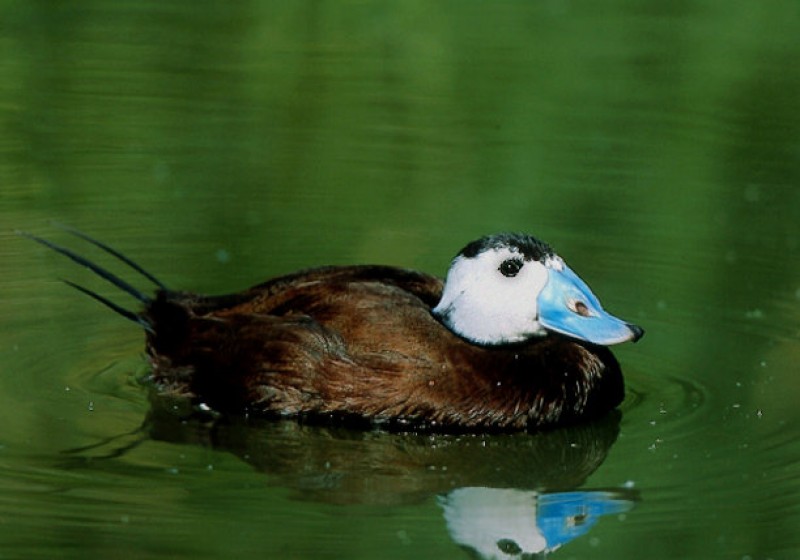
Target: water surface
<point>657,147</point>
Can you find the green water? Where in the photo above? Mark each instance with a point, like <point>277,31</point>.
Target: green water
<point>655,145</point>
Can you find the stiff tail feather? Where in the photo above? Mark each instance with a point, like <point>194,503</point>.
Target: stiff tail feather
<point>105,275</point>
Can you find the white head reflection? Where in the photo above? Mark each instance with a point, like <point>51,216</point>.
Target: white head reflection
<point>504,523</point>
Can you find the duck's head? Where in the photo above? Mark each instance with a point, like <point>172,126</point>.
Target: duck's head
<point>508,288</point>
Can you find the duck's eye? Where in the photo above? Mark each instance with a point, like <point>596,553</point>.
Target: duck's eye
<point>510,267</point>
<point>507,546</point>
<point>577,306</point>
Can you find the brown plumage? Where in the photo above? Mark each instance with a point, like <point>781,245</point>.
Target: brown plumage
<point>362,343</point>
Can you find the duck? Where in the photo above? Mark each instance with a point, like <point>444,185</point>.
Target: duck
<point>511,339</point>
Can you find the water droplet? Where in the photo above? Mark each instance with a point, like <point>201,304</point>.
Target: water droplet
<point>222,255</point>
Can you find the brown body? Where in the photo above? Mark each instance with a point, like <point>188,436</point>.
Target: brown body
<point>362,343</point>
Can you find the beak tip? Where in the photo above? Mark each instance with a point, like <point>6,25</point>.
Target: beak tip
<point>638,332</point>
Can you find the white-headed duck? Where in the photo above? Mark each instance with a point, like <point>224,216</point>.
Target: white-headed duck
<point>512,339</point>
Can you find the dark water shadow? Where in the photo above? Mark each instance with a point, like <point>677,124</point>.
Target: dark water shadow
<point>335,464</point>
<point>501,495</point>
<point>515,495</point>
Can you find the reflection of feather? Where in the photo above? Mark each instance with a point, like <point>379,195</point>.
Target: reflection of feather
<point>385,468</point>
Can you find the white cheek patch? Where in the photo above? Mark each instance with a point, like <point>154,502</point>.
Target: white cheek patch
<point>481,304</point>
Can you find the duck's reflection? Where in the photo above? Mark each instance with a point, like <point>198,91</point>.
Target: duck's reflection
<point>502,496</point>
<point>509,523</point>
